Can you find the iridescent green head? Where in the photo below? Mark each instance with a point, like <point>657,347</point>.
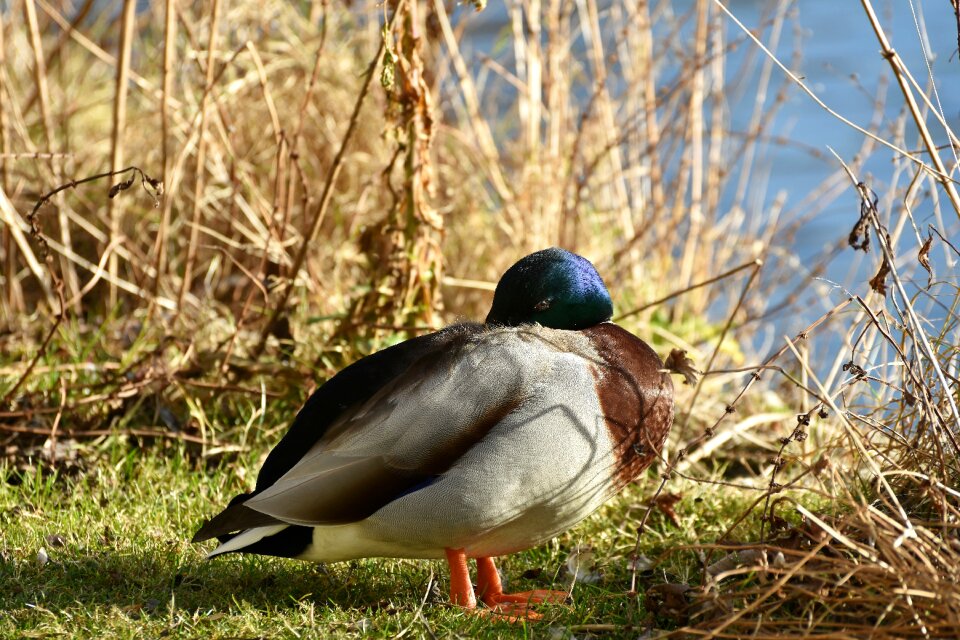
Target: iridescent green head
<point>554,288</point>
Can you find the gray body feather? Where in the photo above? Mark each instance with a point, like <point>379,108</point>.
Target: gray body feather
<point>508,424</point>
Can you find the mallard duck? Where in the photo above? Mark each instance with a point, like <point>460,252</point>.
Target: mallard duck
<point>475,441</point>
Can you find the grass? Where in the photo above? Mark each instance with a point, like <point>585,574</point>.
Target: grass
<point>120,564</point>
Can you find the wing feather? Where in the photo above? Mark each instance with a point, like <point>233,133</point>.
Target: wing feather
<point>412,430</point>
<point>384,426</point>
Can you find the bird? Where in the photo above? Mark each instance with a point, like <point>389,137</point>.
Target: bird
<point>476,441</point>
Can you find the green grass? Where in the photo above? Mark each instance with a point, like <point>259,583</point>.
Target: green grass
<point>123,566</point>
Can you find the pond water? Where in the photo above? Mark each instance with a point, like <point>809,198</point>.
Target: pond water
<point>841,63</point>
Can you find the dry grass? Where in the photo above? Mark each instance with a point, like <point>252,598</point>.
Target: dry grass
<point>324,189</point>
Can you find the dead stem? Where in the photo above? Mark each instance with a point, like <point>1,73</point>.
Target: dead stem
<point>166,203</point>
<point>199,177</point>
<point>325,198</point>
<point>114,212</point>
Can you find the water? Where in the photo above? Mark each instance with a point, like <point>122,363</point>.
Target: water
<point>841,63</point>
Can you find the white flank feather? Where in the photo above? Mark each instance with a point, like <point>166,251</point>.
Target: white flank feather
<point>247,538</point>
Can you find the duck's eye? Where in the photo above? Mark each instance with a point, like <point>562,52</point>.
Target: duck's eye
<point>543,305</point>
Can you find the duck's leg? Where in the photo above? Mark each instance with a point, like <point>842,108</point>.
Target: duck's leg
<point>510,607</point>
<point>514,604</point>
<point>461,589</point>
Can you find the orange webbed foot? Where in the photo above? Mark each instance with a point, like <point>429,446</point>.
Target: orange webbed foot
<point>514,605</point>
<point>508,612</point>
<point>509,607</point>
<point>529,597</point>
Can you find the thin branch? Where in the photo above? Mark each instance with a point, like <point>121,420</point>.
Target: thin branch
<point>726,274</point>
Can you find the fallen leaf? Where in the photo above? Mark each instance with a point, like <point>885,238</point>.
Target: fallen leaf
<point>639,563</point>
<point>363,625</point>
<point>560,633</point>
<point>734,560</point>
<point>778,524</point>
<point>665,503</point>
<point>581,564</point>
<point>779,560</point>
<point>669,599</point>
<point>55,540</point>
<point>133,610</point>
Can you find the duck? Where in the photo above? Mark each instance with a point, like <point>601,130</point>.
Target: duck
<point>473,442</point>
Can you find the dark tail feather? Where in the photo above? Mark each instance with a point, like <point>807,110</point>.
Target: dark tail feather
<point>236,517</point>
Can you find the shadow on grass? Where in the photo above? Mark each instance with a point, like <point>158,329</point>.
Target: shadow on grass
<point>147,581</point>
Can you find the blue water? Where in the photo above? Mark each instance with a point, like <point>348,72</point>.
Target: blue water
<point>841,63</point>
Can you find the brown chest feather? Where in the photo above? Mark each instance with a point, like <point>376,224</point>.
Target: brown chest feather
<point>635,397</point>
